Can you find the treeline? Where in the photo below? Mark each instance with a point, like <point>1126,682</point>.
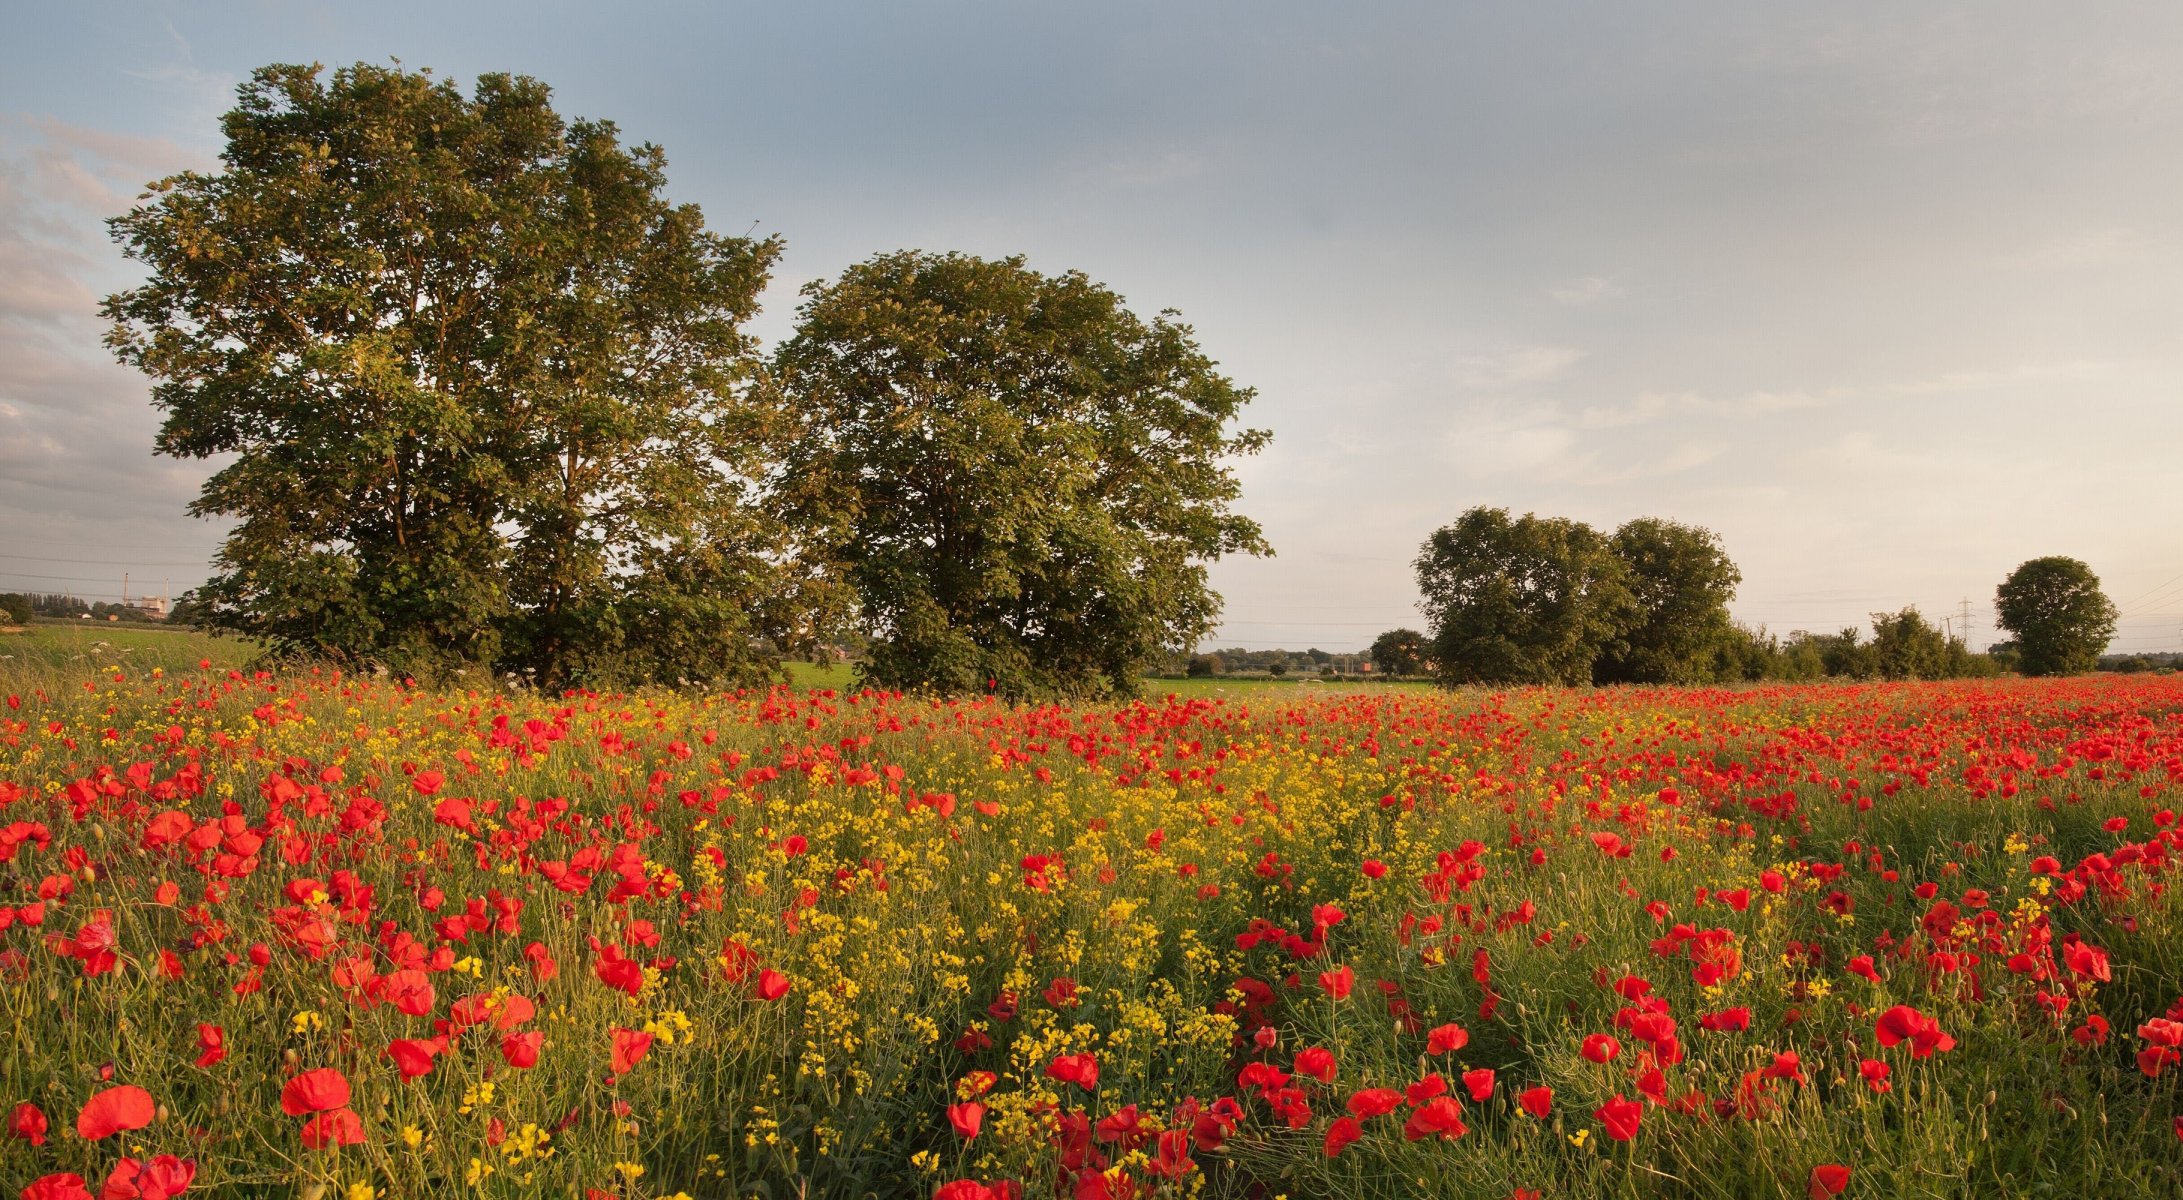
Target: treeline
<point>1547,600</point>
<point>20,607</point>
<point>486,404</point>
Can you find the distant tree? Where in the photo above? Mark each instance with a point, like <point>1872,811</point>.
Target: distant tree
<point>15,608</point>
<point>1278,669</point>
<point>1021,480</point>
<point>189,609</point>
<point>1202,665</point>
<point>1907,646</point>
<point>1399,652</point>
<point>1520,600</point>
<point>480,389</point>
<point>1843,656</point>
<point>2060,618</point>
<point>2004,657</point>
<point>1680,582</point>
<point>1746,653</point>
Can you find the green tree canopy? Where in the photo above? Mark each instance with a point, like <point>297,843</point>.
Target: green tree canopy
<point>1399,652</point>
<point>1680,583</point>
<point>1907,646</point>
<point>479,386</point>
<point>2061,620</point>
<point>1521,600</point>
<point>1021,480</point>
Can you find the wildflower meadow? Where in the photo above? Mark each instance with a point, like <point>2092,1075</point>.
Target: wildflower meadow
<point>308,934</point>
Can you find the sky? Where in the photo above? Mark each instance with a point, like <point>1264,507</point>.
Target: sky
<point>1886,295</point>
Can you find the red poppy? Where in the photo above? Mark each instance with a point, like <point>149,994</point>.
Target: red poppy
<point>115,1110</point>
<point>1480,1083</point>
<point>1338,982</point>
<point>1317,1062</point>
<point>28,1123</point>
<point>1828,1180</point>
<point>521,1049</point>
<point>1875,1074</point>
<point>772,985</point>
<point>211,1044</point>
<point>1439,1117</point>
<point>1079,1069</point>
<point>966,1118</point>
<point>630,1047</point>
<point>1340,1134</point>
<point>1620,1117</point>
<point>1374,1102</point>
<point>340,1127</point>
<point>65,1186</point>
<point>315,1091</point>
<point>1445,1039</point>
<point>1538,1101</point>
<point>1904,1023</point>
<point>413,1056</point>
<point>1601,1048</point>
<point>162,1178</point>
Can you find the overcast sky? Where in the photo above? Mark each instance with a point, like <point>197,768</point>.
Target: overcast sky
<point>1890,296</point>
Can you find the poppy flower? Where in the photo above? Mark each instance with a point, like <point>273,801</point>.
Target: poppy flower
<point>1317,1062</point>
<point>413,1056</point>
<point>1480,1083</point>
<point>28,1122</point>
<point>1828,1181</point>
<point>1601,1048</point>
<point>115,1110</point>
<point>1538,1101</point>
<point>162,1178</point>
<point>1904,1023</point>
<point>315,1091</point>
<point>338,1127</point>
<point>1438,1117</point>
<point>1445,1039</point>
<point>1875,1073</point>
<point>1340,1134</point>
<point>65,1186</point>
<point>630,1047</point>
<point>1338,982</point>
<point>211,1044</point>
<point>1620,1117</point>
<point>1079,1069</point>
<point>772,985</point>
<point>966,1118</point>
<point>1374,1102</point>
<point>521,1049</point>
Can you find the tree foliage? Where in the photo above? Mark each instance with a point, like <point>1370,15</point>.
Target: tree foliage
<point>1021,480</point>
<point>2060,618</point>
<point>1907,646</point>
<point>1527,599</point>
<point>1399,652</point>
<point>1680,582</point>
<point>479,388</point>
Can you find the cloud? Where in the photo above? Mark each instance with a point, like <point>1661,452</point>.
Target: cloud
<point>76,471</point>
<point>1514,367</point>
<point>1589,289</point>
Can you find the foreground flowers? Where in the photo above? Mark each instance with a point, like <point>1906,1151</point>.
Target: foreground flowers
<point>349,934</point>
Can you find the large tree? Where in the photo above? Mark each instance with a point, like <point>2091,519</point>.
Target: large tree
<point>1526,599</point>
<point>2061,619</point>
<point>1399,652</point>
<point>1022,480</point>
<point>479,388</point>
<point>1680,583</point>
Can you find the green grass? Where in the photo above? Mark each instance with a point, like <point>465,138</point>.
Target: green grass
<point>78,647</point>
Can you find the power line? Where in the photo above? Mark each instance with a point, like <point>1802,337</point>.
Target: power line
<point>101,562</point>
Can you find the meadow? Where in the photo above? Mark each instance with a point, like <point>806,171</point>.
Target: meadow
<point>302,934</point>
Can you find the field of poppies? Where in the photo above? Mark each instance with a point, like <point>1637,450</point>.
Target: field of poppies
<point>342,938</point>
